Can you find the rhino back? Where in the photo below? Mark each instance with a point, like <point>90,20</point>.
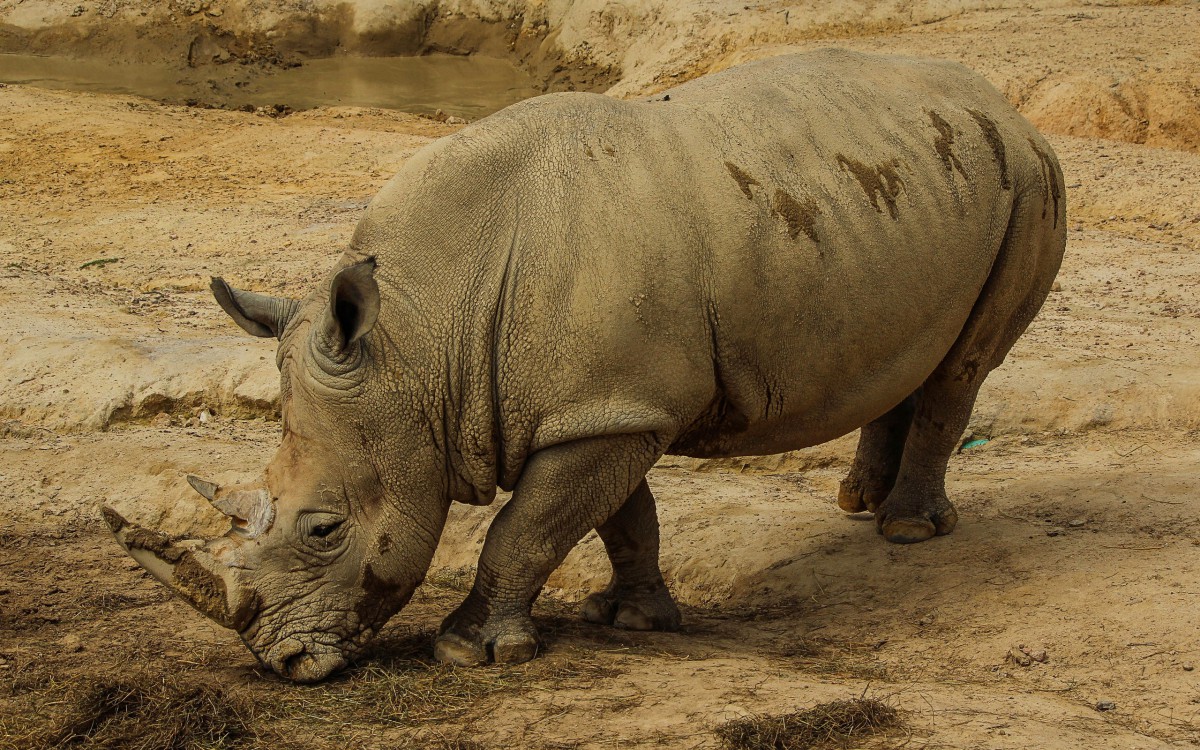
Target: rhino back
<point>754,261</point>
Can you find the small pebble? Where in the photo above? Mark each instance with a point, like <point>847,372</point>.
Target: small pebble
<point>1056,531</point>
<point>1188,667</point>
<point>1018,656</point>
<point>1077,522</point>
<point>71,644</point>
<point>1105,705</point>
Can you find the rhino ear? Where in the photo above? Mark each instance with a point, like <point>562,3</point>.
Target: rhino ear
<point>258,314</point>
<point>353,306</point>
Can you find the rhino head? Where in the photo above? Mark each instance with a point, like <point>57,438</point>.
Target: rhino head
<point>339,531</point>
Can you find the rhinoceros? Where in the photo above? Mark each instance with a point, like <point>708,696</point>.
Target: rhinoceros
<point>554,297</point>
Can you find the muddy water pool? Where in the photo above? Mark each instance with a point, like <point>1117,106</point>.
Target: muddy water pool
<point>470,87</point>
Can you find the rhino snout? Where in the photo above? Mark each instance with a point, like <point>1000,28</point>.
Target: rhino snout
<point>294,661</point>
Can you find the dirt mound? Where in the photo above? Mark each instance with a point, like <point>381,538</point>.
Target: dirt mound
<point>1156,109</point>
<point>134,380</point>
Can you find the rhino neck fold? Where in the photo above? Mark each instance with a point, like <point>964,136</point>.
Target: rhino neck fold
<point>450,305</point>
<point>448,374</point>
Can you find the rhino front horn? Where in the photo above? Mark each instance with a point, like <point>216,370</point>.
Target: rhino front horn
<point>190,571</point>
<point>250,507</point>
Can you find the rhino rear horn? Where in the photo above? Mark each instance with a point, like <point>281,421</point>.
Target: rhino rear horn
<point>250,508</point>
<point>258,314</point>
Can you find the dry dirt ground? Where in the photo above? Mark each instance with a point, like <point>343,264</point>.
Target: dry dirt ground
<point>1079,537</point>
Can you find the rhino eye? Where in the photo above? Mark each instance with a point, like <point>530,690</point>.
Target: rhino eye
<point>324,529</point>
<point>318,529</point>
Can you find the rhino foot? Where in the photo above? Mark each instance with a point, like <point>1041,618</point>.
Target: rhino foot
<point>452,648</point>
<point>632,610</point>
<point>503,640</point>
<point>858,493</point>
<point>905,521</point>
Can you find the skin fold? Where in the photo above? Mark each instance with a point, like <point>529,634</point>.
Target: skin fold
<point>554,297</point>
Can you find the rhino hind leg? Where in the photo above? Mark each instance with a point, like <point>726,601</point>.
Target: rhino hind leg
<point>636,597</point>
<point>564,492</point>
<point>917,508</point>
<point>877,461</point>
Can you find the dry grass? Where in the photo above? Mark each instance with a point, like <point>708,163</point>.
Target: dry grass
<point>396,695</point>
<point>399,687</point>
<point>830,658</point>
<point>59,689</point>
<point>112,601</point>
<point>400,693</point>
<point>831,724</point>
<point>138,711</point>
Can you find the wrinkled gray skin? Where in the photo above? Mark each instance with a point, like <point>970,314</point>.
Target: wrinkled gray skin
<point>554,297</point>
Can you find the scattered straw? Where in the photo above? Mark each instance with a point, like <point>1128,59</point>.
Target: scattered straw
<point>830,724</point>
<point>397,695</point>
<point>399,690</point>
<point>458,743</point>
<point>145,711</point>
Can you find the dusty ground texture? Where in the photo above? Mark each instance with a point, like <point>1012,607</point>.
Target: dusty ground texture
<point>1070,581</point>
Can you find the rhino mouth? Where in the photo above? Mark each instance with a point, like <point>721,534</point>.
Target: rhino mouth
<point>315,655</point>
<point>294,660</point>
<point>306,657</point>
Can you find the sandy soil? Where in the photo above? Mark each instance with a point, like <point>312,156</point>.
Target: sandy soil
<point>1078,535</point>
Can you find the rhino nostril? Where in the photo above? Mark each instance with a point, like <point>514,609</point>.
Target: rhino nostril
<point>294,661</point>
<point>285,657</point>
<point>294,665</point>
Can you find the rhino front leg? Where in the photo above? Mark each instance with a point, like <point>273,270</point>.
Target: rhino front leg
<point>564,492</point>
<point>636,597</point>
